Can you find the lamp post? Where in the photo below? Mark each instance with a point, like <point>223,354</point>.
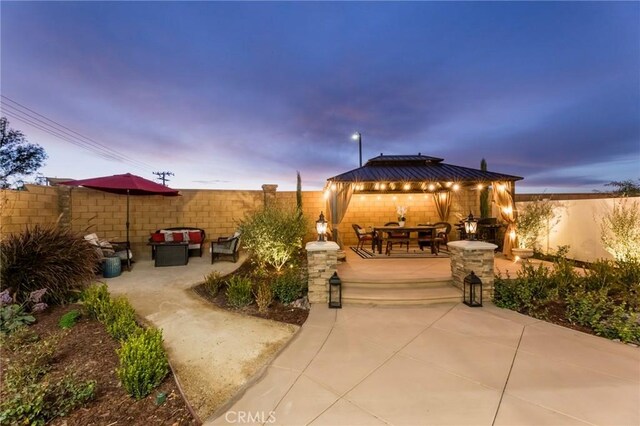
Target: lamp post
<point>357,136</point>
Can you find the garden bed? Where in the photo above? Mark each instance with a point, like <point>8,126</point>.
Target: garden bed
<point>277,311</point>
<point>89,351</point>
<point>603,300</point>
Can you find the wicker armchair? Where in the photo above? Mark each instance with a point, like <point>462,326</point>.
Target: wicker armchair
<point>226,246</point>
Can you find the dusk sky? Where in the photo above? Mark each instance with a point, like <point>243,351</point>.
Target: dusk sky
<point>234,95</point>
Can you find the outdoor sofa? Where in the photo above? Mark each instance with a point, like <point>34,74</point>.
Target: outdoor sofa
<point>194,236</point>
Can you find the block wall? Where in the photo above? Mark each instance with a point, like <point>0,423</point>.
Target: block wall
<point>218,212</point>
<point>36,205</point>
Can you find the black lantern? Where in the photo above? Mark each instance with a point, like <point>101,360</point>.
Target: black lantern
<point>321,227</point>
<point>471,227</point>
<point>335,291</point>
<point>472,292</point>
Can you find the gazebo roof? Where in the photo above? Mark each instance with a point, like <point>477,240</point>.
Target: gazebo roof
<point>417,168</point>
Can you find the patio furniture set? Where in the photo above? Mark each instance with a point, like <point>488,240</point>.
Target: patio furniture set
<point>431,235</point>
<point>172,246</point>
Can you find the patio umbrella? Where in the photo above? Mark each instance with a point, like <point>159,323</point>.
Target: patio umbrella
<point>124,184</point>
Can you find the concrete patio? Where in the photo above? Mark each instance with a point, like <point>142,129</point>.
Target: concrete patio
<point>442,364</point>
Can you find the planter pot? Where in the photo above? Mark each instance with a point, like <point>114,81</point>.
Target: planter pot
<point>401,223</point>
<point>522,253</point>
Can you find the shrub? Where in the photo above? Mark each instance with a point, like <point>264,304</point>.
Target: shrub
<point>274,235</point>
<point>96,301</point>
<point>69,319</point>
<point>620,230</point>
<point>287,287</point>
<point>602,274</point>
<point>29,397</point>
<point>35,363</point>
<point>46,257</point>
<point>120,319</point>
<point>213,282</point>
<point>565,279</point>
<point>619,324</point>
<point>239,291</point>
<point>38,403</point>
<point>263,295</point>
<point>587,308</point>
<point>143,363</point>
<point>531,288</point>
<point>21,337</point>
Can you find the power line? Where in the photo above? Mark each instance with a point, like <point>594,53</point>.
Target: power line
<point>59,130</point>
<point>31,117</point>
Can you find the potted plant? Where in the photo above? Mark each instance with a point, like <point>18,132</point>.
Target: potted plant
<point>402,211</point>
<point>533,219</point>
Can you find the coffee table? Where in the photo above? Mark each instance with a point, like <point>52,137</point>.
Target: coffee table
<point>171,254</point>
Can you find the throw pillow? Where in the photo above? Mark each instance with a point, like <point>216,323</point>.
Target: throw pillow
<point>195,237</point>
<point>157,237</point>
<point>178,237</point>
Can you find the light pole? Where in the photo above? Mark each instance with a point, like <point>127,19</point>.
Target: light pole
<point>357,136</point>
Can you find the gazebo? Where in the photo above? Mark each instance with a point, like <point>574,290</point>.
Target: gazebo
<point>400,175</point>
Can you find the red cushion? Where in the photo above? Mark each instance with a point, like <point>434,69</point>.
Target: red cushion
<point>157,237</point>
<point>178,237</point>
<point>195,237</point>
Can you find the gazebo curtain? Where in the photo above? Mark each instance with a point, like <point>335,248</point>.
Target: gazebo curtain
<point>503,197</point>
<point>443,204</point>
<point>338,202</point>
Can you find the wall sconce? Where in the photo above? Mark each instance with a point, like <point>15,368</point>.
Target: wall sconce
<point>321,228</point>
<point>471,227</point>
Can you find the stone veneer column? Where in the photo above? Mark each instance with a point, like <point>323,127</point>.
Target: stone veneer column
<point>269,193</point>
<point>322,261</point>
<point>476,256</point>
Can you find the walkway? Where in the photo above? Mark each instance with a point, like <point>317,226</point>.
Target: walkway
<point>214,351</point>
<point>442,364</point>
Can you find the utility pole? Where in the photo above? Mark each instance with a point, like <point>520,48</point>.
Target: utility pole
<point>163,177</point>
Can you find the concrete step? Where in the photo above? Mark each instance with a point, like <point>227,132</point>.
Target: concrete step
<point>395,283</point>
<point>401,296</point>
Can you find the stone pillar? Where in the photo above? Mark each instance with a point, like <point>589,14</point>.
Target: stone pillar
<point>476,256</point>
<point>269,193</point>
<point>322,261</point>
<point>64,206</point>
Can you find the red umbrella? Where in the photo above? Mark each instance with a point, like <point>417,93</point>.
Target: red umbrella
<point>124,184</point>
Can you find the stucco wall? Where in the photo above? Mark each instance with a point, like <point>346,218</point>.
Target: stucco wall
<point>578,226</point>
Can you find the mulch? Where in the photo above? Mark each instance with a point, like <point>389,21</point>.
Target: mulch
<point>88,351</point>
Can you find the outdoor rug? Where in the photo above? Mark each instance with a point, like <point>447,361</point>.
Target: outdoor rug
<point>399,253</point>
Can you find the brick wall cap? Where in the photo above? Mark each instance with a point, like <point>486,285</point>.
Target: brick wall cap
<point>472,245</point>
<point>322,246</point>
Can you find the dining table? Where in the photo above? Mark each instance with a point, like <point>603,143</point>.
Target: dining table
<point>380,230</point>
